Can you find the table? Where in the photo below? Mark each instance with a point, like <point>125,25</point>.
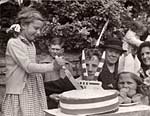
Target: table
<point>136,110</point>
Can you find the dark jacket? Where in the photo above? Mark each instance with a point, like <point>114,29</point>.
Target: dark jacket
<point>108,79</point>
<point>57,86</point>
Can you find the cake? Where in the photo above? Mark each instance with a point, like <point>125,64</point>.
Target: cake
<point>88,101</point>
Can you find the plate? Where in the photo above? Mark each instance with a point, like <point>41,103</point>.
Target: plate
<point>128,104</point>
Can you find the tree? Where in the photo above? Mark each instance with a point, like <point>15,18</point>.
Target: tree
<point>79,23</point>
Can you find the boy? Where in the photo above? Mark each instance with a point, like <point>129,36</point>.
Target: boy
<point>55,49</point>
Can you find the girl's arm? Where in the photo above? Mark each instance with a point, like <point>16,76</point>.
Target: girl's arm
<point>18,53</point>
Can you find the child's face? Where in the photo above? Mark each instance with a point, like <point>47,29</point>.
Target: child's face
<point>55,50</point>
<point>92,66</point>
<point>125,81</point>
<point>145,55</point>
<point>32,30</point>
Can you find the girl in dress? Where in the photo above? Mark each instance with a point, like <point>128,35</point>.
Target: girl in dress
<point>25,94</point>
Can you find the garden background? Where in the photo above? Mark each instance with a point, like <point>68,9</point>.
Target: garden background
<point>78,22</point>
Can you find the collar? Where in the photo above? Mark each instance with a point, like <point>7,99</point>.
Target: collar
<point>24,40</point>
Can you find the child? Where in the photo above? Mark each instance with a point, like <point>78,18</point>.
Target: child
<point>55,49</point>
<point>129,91</point>
<point>25,94</point>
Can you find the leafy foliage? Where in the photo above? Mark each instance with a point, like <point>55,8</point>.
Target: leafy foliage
<point>80,23</point>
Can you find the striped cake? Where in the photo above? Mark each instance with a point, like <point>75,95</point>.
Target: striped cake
<point>89,101</point>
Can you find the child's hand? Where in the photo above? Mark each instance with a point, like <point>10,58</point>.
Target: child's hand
<point>60,61</point>
<point>127,100</point>
<point>121,100</point>
<point>123,92</point>
<point>55,97</point>
<point>124,100</point>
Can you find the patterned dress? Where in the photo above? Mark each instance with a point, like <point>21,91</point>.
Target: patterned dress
<point>32,101</point>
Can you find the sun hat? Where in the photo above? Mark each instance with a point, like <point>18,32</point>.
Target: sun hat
<point>114,44</point>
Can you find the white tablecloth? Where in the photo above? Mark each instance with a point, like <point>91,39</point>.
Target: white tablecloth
<point>136,110</point>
